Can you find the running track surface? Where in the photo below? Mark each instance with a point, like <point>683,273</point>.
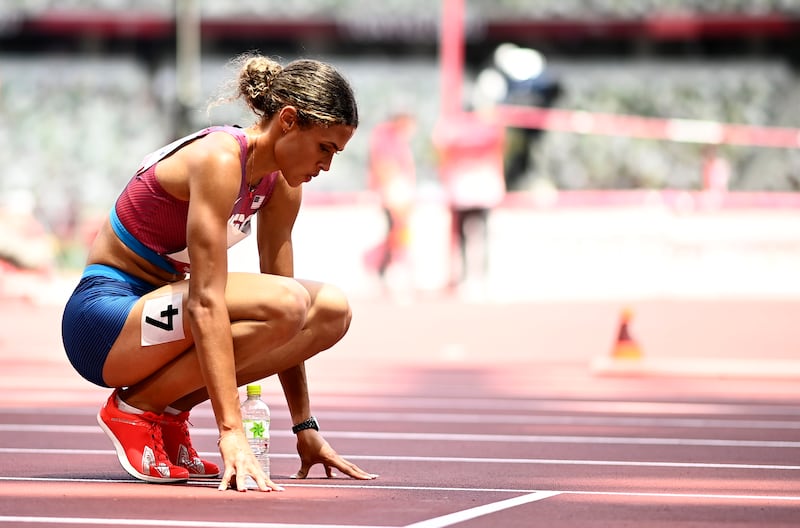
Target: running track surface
<point>473,415</point>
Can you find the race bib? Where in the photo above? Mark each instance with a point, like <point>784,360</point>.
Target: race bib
<point>162,319</point>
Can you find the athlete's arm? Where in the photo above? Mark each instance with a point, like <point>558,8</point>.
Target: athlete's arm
<point>275,223</point>
<point>213,187</point>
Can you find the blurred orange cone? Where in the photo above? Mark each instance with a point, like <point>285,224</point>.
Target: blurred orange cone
<point>626,347</point>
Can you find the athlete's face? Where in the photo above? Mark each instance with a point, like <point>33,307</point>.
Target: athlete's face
<point>302,153</point>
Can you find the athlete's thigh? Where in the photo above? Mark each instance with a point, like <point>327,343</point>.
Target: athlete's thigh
<point>263,297</point>
<point>324,295</point>
<point>155,332</point>
<point>158,328</point>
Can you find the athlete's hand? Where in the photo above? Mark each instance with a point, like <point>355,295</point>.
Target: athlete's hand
<point>313,449</point>
<point>240,463</point>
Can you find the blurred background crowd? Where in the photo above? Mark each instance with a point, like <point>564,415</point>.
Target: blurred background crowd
<point>485,9</point>
<point>87,87</point>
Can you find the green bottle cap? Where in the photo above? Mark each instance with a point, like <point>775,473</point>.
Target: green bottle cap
<point>254,390</point>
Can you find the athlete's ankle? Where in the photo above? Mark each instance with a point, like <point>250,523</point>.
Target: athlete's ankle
<point>132,405</point>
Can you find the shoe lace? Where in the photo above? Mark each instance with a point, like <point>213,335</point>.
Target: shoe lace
<point>184,425</point>
<point>154,427</point>
<point>182,422</point>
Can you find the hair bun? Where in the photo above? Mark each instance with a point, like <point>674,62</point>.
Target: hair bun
<point>256,78</point>
<point>319,93</point>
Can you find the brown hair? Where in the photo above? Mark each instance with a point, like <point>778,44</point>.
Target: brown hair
<point>319,93</point>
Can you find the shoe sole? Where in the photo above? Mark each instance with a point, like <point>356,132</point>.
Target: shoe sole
<point>123,459</point>
<point>202,475</point>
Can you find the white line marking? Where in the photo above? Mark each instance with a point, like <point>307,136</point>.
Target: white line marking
<point>85,521</point>
<point>491,405</point>
<point>685,495</point>
<point>214,483</point>
<point>36,451</point>
<point>43,428</point>
<point>454,460</point>
<point>526,419</point>
<point>72,479</point>
<point>480,511</point>
<point>583,406</point>
<point>560,492</point>
<point>344,485</point>
<point>572,492</point>
<point>561,439</point>
<point>565,492</point>
<point>510,419</point>
<point>414,488</point>
<point>454,437</point>
<point>564,462</point>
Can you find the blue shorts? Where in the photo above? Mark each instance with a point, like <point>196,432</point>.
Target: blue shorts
<point>94,317</point>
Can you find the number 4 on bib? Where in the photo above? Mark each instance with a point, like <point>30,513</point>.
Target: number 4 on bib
<point>162,320</point>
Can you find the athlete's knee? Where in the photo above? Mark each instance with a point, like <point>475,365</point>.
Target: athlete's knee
<point>292,303</point>
<point>283,310</point>
<point>332,313</point>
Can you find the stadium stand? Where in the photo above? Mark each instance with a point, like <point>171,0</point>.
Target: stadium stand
<point>752,92</point>
<point>95,114</point>
<point>484,9</point>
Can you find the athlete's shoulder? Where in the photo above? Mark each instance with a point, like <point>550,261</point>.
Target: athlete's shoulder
<point>219,148</point>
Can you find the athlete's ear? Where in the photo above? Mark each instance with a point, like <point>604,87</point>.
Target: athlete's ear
<point>287,117</point>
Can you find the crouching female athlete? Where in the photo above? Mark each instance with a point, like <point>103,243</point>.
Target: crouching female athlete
<point>166,342</point>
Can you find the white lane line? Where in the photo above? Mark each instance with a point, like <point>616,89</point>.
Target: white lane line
<point>711,408</point>
<point>523,419</point>
<point>490,405</point>
<point>526,419</point>
<point>565,492</point>
<point>455,437</point>
<point>90,521</point>
<point>480,511</point>
<point>564,462</point>
<point>71,479</point>
<point>213,483</point>
<point>345,485</point>
<point>434,459</point>
<point>713,496</point>
<point>570,492</point>
<point>560,439</point>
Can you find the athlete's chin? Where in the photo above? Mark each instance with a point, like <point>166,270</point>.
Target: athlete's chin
<point>293,180</point>
<point>305,179</point>
<point>298,179</point>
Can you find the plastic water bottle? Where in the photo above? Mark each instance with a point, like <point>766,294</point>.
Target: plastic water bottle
<point>255,418</point>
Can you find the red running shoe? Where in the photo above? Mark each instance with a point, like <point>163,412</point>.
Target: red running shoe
<point>178,445</point>
<point>139,445</point>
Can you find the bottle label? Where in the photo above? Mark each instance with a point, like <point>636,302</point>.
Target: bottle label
<point>256,429</point>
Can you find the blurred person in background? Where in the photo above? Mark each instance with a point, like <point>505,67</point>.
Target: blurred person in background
<point>167,343</point>
<point>392,175</point>
<point>716,170</point>
<point>470,159</point>
<point>25,242</point>
<point>716,174</point>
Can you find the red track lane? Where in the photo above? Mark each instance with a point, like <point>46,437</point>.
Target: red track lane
<point>473,415</point>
